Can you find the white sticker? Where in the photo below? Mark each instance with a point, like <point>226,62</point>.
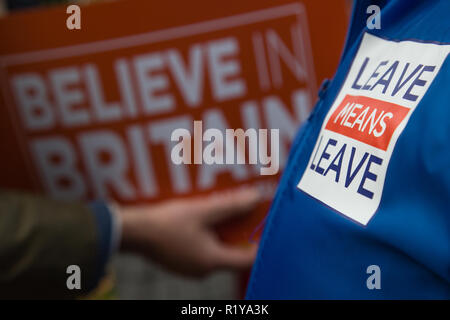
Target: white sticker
<point>384,85</point>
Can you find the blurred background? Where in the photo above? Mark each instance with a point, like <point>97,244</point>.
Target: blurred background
<point>302,51</point>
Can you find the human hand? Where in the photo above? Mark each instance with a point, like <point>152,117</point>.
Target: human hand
<point>180,235</point>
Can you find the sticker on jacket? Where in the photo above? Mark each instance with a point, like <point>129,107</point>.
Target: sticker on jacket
<point>384,85</point>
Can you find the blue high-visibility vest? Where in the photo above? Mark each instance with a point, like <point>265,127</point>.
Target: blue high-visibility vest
<point>363,207</point>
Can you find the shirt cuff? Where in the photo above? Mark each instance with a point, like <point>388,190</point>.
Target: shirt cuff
<point>108,225</point>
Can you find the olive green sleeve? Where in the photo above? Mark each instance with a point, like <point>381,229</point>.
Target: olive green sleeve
<point>39,239</point>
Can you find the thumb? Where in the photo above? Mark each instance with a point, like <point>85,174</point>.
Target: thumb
<point>226,205</point>
<point>237,258</point>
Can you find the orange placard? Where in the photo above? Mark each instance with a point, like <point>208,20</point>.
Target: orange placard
<point>89,113</point>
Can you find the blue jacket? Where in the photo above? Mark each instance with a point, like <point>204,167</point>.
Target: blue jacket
<point>363,208</point>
